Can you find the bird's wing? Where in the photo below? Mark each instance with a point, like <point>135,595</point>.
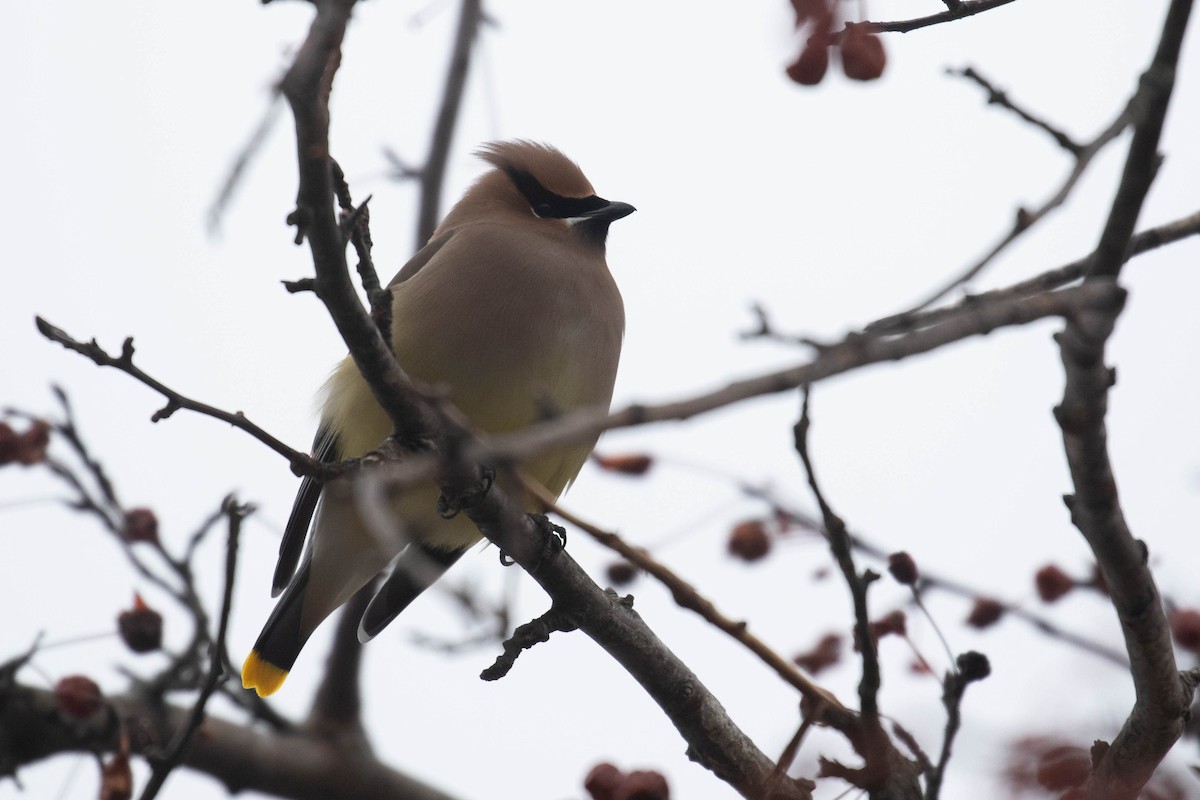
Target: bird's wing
<point>416,569</point>
<point>421,258</point>
<point>325,449</point>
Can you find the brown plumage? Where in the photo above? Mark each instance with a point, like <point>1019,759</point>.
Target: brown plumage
<point>511,306</point>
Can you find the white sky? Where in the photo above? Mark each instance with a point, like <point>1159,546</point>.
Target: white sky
<point>832,206</point>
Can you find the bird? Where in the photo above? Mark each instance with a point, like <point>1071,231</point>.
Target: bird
<point>511,309</point>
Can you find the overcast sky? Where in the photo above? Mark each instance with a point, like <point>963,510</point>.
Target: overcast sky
<point>832,206</point>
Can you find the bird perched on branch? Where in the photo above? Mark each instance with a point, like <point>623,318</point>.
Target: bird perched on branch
<point>510,306</point>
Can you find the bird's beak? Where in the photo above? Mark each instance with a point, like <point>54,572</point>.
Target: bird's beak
<point>610,211</point>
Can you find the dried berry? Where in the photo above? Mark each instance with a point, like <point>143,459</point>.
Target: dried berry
<point>116,779</point>
<point>1052,583</point>
<point>985,613</point>
<point>141,627</point>
<point>78,695</point>
<point>603,781</point>
<point>809,67</point>
<point>863,57</point>
<point>749,540</point>
<point>1063,766</point>
<point>903,568</point>
<point>643,785</point>
<point>9,443</point>
<point>1185,628</point>
<point>895,622</point>
<point>826,653</point>
<point>625,464</point>
<point>621,573</point>
<point>32,444</point>
<point>973,666</point>
<point>141,525</point>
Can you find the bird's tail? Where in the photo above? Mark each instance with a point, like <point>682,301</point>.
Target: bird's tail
<point>415,570</point>
<point>280,642</point>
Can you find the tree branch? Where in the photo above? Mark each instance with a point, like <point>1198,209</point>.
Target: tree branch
<point>301,463</point>
<point>1141,165</point>
<point>1025,219</point>
<point>1069,273</point>
<point>433,173</point>
<point>162,767</point>
<point>686,596</point>
<point>1163,696</point>
<point>961,10</point>
<point>240,757</point>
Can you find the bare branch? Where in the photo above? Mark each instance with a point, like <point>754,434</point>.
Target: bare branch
<point>433,173</point>
<point>1069,273</point>
<point>933,580</point>
<point>301,463</point>
<point>162,767</point>
<point>337,705</point>
<point>239,756</point>
<point>242,162</point>
<point>959,10</point>
<point>1163,696</point>
<point>839,545</point>
<point>1025,218</point>
<point>307,86</point>
<point>1141,165</point>
<point>999,97</point>
<point>970,667</point>
<point>686,596</point>
<point>852,352</point>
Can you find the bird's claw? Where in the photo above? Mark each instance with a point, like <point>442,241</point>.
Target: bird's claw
<point>449,506</point>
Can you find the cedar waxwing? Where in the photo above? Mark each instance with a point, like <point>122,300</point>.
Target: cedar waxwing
<point>511,306</point>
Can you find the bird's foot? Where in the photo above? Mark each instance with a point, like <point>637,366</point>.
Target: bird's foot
<point>448,506</point>
<point>554,540</point>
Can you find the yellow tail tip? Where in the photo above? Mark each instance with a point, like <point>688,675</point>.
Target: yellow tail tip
<point>261,675</point>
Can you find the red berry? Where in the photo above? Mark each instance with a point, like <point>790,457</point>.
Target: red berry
<point>78,695</point>
<point>863,57</point>
<point>749,540</point>
<point>1052,583</point>
<point>1185,628</point>
<point>826,653</point>
<point>625,464</point>
<point>116,779</point>
<point>32,444</point>
<point>141,627</point>
<point>141,525</point>
<point>985,613</point>
<point>603,781</point>
<point>9,443</point>
<point>643,785</point>
<point>903,568</point>
<point>809,67</point>
<point>1063,766</point>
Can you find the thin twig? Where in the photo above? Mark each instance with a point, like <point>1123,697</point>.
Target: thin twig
<point>1143,242</point>
<point>242,162</point>
<point>997,96</point>
<point>162,767</point>
<point>971,667</point>
<point>433,173</point>
<point>1025,219</point>
<point>301,463</point>
<point>839,545</point>
<point>686,596</point>
<point>1141,165</point>
<point>960,11</point>
<point>337,705</point>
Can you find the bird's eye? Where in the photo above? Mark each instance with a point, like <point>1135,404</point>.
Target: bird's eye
<point>542,209</point>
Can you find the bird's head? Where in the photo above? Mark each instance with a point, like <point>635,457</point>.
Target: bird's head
<point>536,179</point>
